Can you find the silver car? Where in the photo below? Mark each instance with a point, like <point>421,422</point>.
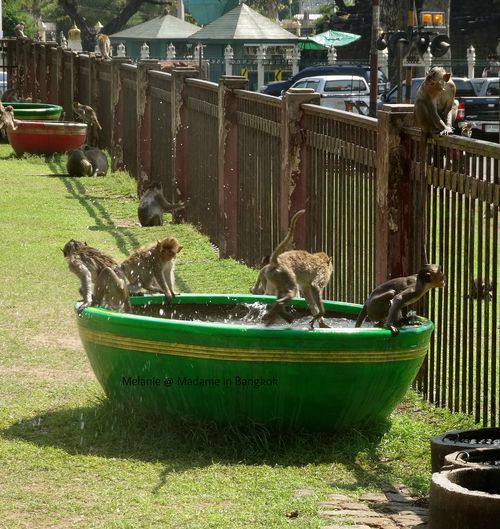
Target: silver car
<point>338,91</point>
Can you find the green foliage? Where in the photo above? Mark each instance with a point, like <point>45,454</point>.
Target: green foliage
<point>12,14</point>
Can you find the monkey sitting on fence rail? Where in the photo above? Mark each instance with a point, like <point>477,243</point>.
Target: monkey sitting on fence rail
<point>435,107</point>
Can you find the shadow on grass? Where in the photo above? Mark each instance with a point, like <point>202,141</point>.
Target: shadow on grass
<point>111,431</point>
<point>126,241</point>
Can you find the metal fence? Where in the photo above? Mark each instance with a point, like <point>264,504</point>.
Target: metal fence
<point>461,181</point>
<point>379,198</point>
<point>259,169</point>
<point>202,189</point>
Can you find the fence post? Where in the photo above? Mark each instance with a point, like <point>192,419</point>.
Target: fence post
<point>35,58</point>
<point>55,56</point>
<point>292,186</point>
<point>393,195</point>
<point>144,122</point>
<point>94,82</point>
<point>116,113</point>
<point>179,114</point>
<point>228,163</point>
<point>42,73</point>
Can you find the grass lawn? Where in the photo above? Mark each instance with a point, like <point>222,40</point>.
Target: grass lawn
<point>68,459</point>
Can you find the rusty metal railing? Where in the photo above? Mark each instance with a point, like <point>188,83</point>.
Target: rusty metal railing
<point>341,171</point>
<point>461,180</point>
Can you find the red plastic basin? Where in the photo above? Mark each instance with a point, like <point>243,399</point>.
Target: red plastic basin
<point>46,137</point>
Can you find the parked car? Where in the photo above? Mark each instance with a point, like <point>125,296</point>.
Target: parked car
<point>276,88</point>
<point>482,110</point>
<point>335,90</point>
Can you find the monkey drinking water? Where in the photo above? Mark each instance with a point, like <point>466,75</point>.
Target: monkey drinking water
<point>102,282</point>
<point>152,267</point>
<point>289,271</point>
<point>435,104</point>
<point>153,205</point>
<point>388,303</point>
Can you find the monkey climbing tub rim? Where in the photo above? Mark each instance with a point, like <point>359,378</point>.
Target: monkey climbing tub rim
<point>35,111</point>
<point>351,310</point>
<point>323,378</point>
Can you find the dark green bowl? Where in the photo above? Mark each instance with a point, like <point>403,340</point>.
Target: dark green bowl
<point>322,379</point>
<point>35,111</point>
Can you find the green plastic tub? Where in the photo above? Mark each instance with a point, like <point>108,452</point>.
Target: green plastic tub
<point>321,379</point>
<point>35,111</point>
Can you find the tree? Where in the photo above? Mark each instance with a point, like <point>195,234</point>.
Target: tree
<point>126,9</point>
<point>15,12</point>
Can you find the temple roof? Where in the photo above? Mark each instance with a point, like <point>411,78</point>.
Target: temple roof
<point>246,25</point>
<point>166,27</point>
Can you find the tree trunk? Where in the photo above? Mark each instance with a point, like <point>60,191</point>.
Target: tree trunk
<point>88,35</point>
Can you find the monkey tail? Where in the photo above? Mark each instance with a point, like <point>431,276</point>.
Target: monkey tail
<point>284,243</point>
<point>361,317</point>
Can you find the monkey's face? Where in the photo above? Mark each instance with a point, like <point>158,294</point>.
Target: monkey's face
<point>436,80</point>
<point>434,276</point>
<point>169,248</point>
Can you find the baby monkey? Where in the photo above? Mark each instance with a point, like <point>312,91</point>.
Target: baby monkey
<point>101,280</point>
<point>152,267</point>
<point>289,271</point>
<point>388,303</point>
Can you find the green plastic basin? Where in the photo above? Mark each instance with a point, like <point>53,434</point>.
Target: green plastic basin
<point>35,111</point>
<point>321,379</point>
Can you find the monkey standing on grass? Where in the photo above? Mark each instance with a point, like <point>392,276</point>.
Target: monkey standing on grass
<point>153,205</point>
<point>435,104</point>
<point>388,303</point>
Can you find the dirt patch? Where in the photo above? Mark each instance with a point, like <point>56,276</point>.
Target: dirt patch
<point>392,509</point>
<point>60,341</point>
<point>126,223</point>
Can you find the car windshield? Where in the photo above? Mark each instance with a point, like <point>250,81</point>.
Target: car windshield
<point>492,89</point>
<point>464,88</point>
<point>307,83</point>
<point>345,85</point>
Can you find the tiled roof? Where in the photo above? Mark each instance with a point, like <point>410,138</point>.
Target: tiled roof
<point>243,24</point>
<point>164,27</point>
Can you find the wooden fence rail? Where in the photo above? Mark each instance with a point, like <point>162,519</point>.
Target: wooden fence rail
<point>379,197</point>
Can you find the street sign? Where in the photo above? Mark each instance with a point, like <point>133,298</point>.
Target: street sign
<point>277,74</point>
<point>244,72</point>
<point>413,57</point>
